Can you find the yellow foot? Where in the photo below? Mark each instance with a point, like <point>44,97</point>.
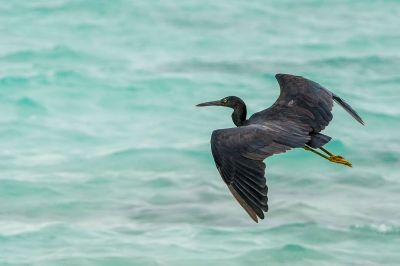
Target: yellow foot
<point>339,159</point>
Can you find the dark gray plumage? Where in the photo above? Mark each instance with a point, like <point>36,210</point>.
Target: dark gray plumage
<point>301,111</point>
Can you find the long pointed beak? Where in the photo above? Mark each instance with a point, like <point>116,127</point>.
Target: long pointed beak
<point>213,103</point>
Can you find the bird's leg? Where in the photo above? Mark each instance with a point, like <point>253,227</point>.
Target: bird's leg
<point>331,157</point>
<point>336,158</point>
<point>308,148</point>
<point>326,151</point>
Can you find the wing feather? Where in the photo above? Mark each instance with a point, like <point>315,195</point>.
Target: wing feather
<point>239,153</point>
<point>304,102</point>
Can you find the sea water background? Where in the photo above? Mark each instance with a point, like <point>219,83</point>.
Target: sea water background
<point>106,161</point>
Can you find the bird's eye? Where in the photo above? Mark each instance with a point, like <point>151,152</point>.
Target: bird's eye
<point>225,100</point>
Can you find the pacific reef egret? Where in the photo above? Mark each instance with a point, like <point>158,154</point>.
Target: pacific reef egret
<point>295,120</point>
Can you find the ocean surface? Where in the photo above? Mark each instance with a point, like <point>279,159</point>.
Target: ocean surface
<point>105,160</point>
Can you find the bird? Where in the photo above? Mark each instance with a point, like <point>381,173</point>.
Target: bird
<point>295,120</point>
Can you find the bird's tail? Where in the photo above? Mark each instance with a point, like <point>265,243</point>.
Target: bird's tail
<point>348,108</point>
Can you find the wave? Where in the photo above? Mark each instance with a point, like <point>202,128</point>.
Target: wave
<point>53,53</point>
<point>383,229</point>
<point>250,66</point>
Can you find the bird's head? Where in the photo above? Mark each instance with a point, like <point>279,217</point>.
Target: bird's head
<point>229,101</point>
<point>237,104</point>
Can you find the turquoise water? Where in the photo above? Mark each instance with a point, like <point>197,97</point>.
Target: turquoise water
<point>106,161</point>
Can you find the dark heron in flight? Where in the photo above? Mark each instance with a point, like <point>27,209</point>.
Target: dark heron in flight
<point>295,120</point>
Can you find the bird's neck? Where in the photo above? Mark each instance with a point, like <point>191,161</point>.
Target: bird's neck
<point>239,114</point>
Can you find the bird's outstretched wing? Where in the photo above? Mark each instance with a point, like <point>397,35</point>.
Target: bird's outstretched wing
<point>304,102</point>
<point>239,153</point>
